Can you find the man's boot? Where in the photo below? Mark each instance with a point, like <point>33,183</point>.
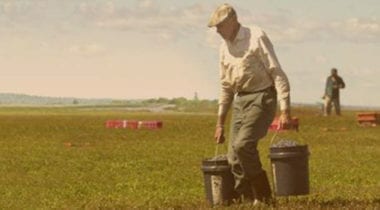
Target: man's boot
<point>262,189</point>
<point>244,193</point>
<point>247,193</point>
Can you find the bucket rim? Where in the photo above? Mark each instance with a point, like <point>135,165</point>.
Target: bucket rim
<point>291,147</point>
<point>284,155</point>
<point>215,168</point>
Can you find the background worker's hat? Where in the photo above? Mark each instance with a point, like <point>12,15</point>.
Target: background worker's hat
<point>221,13</point>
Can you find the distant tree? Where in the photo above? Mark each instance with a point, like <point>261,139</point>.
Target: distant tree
<point>75,102</point>
<point>117,102</point>
<point>179,101</point>
<point>149,101</point>
<point>162,100</point>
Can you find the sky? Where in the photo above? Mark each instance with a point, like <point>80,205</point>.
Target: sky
<point>137,49</point>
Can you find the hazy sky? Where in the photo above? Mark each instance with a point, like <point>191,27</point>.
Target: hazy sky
<point>146,49</point>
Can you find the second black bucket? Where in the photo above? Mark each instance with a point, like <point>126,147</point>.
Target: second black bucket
<point>290,169</point>
<point>218,180</point>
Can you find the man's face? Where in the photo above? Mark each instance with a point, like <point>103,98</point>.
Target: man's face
<point>225,28</point>
<point>334,72</point>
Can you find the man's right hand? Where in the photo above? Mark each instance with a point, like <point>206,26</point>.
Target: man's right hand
<point>219,135</point>
<point>285,119</point>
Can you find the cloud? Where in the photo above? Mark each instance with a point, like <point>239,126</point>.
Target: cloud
<point>357,29</point>
<point>283,26</point>
<point>321,59</point>
<point>147,17</point>
<point>23,9</point>
<point>145,4</point>
<point>6,7</point>
<point>169,24</point>
<point>94,11</point>
<point>356,25</point>
<point>86,50</point>
<point>212,38</point>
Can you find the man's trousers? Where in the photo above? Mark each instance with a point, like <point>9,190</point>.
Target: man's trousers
<point>252,115</point>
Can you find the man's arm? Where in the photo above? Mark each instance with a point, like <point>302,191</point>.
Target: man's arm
<point>225,100</point>
<point>279,77</point>
<point>341,83</point>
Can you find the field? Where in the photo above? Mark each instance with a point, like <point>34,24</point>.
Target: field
<point>65,158</point>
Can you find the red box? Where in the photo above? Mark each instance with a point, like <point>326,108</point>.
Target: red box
<point>114,123</point>
<point>368,118</point>
<point>293,125</point>
<point>133,124</point>
<point>154,124</point>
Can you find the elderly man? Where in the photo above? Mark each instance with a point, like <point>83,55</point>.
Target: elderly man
<point>251,77</point>
<point>333,84</point>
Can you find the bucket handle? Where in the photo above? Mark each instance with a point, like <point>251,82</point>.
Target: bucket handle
<point>217,148</point>
<point>216,152</point>
<point>274,137</point>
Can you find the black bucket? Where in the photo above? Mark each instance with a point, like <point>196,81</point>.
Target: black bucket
<point>290,169</point>
<point>218,180</point>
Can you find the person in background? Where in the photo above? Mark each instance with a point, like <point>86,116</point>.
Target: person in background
<point>333,84</point>
<point>251,79</point>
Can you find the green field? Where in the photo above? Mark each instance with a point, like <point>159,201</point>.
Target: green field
<point>65,158</point>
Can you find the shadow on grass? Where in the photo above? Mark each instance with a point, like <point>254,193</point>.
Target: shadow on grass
<point>338,203</point>
<point>300,203</point>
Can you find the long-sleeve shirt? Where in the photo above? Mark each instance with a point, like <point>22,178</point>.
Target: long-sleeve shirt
<point>333,84</point>
<point>249,64</point>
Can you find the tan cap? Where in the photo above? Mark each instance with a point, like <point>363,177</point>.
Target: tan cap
<point>221,13</point>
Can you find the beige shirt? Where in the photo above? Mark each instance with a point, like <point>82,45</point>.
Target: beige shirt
<point>249,64</point>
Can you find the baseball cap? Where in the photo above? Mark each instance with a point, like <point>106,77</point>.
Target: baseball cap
<point>221,13</point>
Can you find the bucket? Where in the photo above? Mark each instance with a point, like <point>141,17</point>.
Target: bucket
<point>218,180</point>
<point>290,169</point>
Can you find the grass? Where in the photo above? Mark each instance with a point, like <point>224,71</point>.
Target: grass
<point>65,158</point>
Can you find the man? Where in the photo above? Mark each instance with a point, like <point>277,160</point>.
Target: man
<point>333,84</point>
<point>251,77</point>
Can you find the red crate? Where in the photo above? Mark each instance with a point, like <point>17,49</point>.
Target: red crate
<point>293,125</point>
<point>114,124</point>
<point>132,124</point>
<point>154,124</point>
<point>368,118</point>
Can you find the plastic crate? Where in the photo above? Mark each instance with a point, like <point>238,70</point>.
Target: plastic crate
<point>276,126</point>
<point>132,124</point>
<point>155,124</point>
<point>368,119</point>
